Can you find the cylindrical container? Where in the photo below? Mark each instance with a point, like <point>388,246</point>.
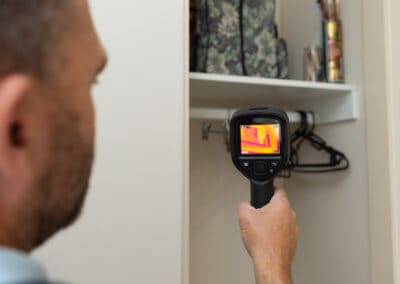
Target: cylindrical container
<point>334,72</point>
<point>333,55</point>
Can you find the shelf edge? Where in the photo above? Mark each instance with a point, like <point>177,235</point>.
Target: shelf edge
<point>235,79</point>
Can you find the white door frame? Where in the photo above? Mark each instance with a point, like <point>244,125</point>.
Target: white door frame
<point>381,90</point>
<point>186,143</point>
<point>392,11</point>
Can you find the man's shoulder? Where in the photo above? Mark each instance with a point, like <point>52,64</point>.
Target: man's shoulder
<point>40,282</point>
<point>19,268</point>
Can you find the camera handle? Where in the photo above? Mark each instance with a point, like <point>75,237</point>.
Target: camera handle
<point>261,193</point>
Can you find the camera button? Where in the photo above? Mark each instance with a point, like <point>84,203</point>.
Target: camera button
<point>274,164</point>
<point>260,168</point>
<point>245,164</point>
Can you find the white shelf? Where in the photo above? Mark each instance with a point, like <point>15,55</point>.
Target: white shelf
<point>330,102</point>
<point>223,114</point>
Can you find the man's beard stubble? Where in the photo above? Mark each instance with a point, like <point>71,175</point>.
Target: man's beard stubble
<point>64,185</point>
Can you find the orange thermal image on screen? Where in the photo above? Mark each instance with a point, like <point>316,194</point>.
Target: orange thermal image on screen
<point>260,139</point>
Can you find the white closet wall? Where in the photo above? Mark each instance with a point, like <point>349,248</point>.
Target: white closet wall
<point>132,227</point>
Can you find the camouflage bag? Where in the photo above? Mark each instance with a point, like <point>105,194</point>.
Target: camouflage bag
<point>236,37</point>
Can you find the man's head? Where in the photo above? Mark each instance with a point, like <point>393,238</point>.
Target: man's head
<point>50,57</point>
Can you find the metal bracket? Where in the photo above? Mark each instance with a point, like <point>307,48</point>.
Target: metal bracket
<point>207,129</point>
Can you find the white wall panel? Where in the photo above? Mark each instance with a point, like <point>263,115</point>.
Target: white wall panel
<point>131,229</point>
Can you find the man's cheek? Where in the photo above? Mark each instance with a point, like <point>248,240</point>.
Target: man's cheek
<point>90,119</point>
<point>85,110</point>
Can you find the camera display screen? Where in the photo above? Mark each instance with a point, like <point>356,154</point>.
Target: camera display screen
<point>260,139</point>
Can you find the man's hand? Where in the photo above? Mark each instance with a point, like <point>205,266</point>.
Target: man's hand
<point>270,237</point>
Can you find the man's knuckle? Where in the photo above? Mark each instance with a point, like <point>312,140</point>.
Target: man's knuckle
<point>244,221</point>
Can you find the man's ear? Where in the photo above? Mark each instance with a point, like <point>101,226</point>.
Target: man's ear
<point>14,90</point>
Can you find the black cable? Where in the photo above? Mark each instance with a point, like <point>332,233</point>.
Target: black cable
<point>305,132</point>
<point>297,139</point>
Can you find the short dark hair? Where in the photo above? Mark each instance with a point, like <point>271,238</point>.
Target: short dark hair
<point>29,32</point>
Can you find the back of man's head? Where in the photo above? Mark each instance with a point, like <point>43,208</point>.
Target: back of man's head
<point>29,32</point>
<point>49,58</point>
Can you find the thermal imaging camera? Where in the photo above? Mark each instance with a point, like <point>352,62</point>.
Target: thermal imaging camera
<point>260,149</point>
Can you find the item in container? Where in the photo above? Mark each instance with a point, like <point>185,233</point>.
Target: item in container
<point>313,64</point>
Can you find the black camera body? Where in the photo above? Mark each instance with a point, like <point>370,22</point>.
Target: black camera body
<point>260,148</point>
